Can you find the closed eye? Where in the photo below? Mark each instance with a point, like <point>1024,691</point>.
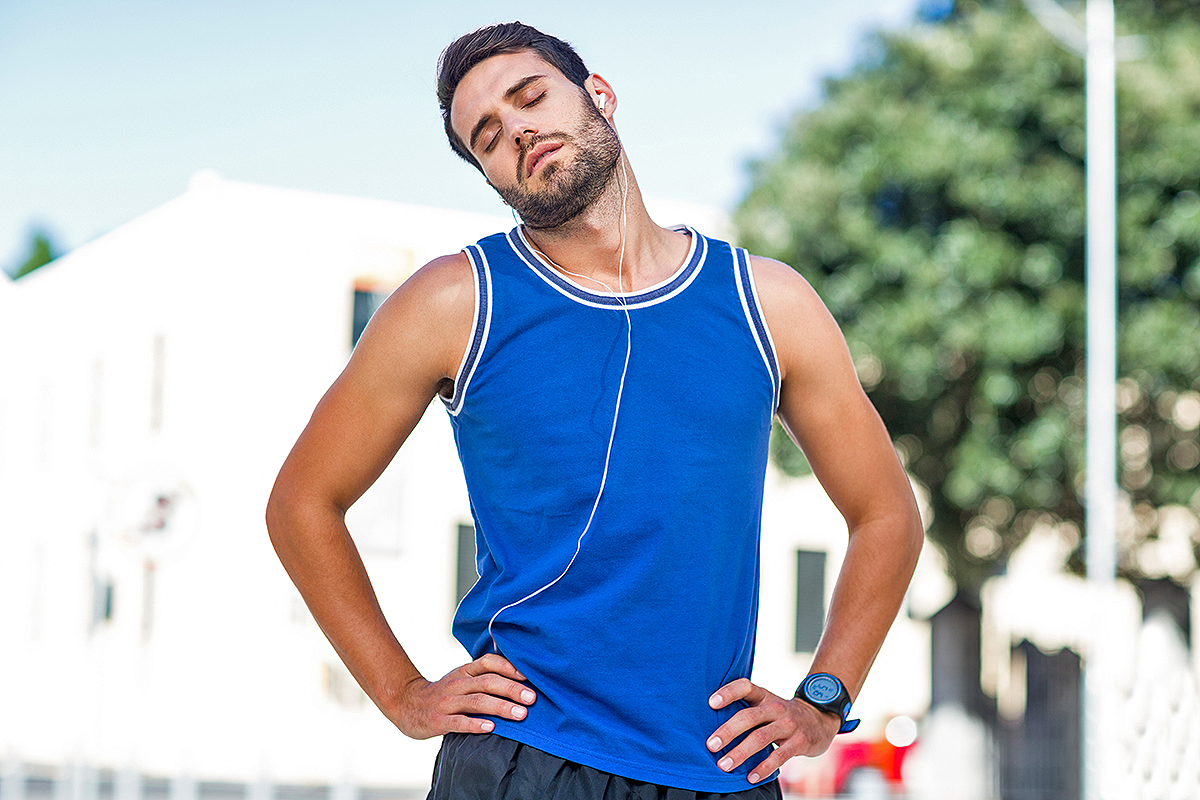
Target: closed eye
<point>496,136</point>
<point>491,143</point>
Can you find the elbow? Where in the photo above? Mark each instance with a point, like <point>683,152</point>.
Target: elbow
<point>280,515</point>
<point>274,517</point>
<point>296,516</point>
<point>916,538</point>
<point>897,534</point>
<point>912,535</point>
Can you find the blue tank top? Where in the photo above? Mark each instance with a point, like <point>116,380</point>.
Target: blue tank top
<point>624,630</point>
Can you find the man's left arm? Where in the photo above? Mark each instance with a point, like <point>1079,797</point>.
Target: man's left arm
<point>825,410</point>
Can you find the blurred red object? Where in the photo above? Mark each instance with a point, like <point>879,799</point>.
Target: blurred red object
<point>832,773</point>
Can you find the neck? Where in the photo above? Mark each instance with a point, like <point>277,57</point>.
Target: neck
<point>613,241</point>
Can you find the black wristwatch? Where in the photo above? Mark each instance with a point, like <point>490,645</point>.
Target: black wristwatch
<point>828,694</point>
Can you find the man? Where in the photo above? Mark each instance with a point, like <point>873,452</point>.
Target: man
<point>611,385</point>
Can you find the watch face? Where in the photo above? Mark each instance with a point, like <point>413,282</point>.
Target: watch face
<point>823,688</point>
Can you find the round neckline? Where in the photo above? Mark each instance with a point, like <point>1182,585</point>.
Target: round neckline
<point>668,287</point>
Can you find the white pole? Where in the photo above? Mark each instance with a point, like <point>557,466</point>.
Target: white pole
<point>1101,487</point>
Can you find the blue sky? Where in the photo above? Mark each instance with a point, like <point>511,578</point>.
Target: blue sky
<point>107,107</point>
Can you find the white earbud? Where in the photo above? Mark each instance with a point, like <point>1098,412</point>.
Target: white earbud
<point>601,102</point>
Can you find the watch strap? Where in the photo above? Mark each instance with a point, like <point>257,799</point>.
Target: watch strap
<point>824,691</point>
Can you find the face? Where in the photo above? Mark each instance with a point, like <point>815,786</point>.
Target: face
<point>540,141</point>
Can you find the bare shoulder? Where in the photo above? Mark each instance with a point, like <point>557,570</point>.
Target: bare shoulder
<point>426,320</point>
<point>444,286</point>
<point>803,330</point>
<point>779,284</point>
<point>439,294</point>
<point>446,271</point>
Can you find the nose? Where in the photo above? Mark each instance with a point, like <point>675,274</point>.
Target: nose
<point>522,129</point>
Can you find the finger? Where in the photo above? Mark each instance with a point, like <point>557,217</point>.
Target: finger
<point>767,766</point>
<point>489,705</point>
<point>743,721</point>
<point>458,723</point>
<point>435,723</point>
<point>499,686</point>
<point>493,662</point>
<point>755,742</point>
<point>741,689</point>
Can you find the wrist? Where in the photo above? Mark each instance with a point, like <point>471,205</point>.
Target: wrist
<point>826,693</point>
<point>395,693</point>
<point>827,722</point>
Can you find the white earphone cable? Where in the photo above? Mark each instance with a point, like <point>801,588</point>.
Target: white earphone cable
<point>616,410</point>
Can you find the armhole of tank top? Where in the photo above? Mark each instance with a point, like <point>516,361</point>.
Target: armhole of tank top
<point>480,324</point>
<point>748,293</point>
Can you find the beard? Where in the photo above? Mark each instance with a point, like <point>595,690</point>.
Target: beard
<point>569,188</point>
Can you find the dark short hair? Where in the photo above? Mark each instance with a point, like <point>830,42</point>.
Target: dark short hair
<point>508,37</point>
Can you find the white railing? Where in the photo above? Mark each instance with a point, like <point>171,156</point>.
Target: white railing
<point>21,781</point>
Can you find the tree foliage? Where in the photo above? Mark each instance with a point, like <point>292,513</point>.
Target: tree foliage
<point>936,201</point>
<point>41,252</point>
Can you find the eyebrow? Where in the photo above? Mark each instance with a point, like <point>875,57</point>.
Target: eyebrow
<point>486,118</point>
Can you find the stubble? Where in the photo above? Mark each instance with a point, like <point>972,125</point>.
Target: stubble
<point>570,188</point>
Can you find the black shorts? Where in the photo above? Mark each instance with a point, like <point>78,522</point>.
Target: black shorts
<point>484,766</point>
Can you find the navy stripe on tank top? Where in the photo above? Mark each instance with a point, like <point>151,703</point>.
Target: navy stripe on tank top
<point>624,630</point>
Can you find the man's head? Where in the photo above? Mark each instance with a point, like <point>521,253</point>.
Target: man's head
<point>509,37</point>
<point>536,134</point>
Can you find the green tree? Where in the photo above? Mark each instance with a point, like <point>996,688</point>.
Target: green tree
<point>936,201</point>
<point>41,252</point>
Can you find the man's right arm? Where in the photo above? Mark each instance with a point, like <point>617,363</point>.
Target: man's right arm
<point>411,349</point>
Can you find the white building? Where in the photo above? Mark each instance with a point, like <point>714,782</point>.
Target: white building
<point>153,382</point>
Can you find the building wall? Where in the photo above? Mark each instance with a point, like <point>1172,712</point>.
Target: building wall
<point>179,357</point>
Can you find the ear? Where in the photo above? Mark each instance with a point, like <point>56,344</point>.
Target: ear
<point>602,95</point>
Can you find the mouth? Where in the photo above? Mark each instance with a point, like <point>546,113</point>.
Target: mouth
<point>536,155</point>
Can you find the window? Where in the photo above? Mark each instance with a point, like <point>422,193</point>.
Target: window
<point>340,686</point>
<point>467,574</point>
<point>157,377</point>
<point>102,601</point>
<point>96,417</point>
<point>368,297</point>
<point>810,599</point>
